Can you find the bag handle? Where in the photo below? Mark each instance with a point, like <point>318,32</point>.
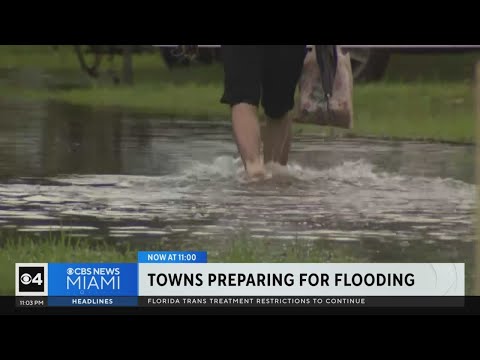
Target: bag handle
<point>327,60</point>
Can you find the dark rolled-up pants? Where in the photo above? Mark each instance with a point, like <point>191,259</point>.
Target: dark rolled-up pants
<point>266,74</point>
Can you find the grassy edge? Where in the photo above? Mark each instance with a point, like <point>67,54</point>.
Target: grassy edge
<point>223,119</point>
<point>65,249</point>
<point>427,110</point>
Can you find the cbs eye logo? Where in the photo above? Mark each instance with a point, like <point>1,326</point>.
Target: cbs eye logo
<point>31,279</point>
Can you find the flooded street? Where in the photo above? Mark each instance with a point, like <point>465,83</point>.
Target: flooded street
<point>139,178</point>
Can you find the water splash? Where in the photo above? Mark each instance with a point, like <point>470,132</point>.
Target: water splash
<point>348,201</point>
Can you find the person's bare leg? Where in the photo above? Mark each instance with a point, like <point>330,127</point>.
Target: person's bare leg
<point>277,140</point>
<point>246,131</point>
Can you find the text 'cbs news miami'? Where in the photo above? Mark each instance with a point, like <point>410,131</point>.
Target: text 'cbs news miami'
<point>187,279</point>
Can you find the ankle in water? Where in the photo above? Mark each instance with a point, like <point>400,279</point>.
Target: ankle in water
<point>255,169</point>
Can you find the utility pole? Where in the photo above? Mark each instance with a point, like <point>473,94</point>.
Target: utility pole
<point>476,265</point>
<point>127,64</point>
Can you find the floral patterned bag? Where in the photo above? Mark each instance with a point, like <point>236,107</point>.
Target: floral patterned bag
<point>316,106</point>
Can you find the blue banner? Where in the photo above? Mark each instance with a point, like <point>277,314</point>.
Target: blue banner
<point>93,279</point>
<point>176,257</point>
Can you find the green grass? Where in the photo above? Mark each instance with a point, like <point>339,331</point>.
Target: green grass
<point>65,249</point>
<point>15,248</point>
<point>442,111</point>
<point>54,249</point>
<point>426,97</point>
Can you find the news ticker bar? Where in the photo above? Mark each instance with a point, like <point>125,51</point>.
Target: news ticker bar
<point>188,276</point>
<point>240,301</point>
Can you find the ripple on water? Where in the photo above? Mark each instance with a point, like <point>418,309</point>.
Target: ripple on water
<point>344,201</point>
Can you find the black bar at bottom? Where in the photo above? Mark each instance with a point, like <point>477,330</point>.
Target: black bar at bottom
<point>373,306</point>
<point>300,301</point>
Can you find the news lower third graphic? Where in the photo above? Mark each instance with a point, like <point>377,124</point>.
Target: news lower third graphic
<point>31,279</point>
<point>186,279</point>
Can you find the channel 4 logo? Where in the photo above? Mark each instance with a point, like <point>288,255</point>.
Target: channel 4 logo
<point>31,279</point>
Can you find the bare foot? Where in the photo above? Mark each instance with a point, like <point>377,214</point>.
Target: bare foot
<point>277,169</point>
<point>256,171</point>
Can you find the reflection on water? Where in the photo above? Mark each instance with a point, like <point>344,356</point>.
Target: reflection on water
<point>118,175</point>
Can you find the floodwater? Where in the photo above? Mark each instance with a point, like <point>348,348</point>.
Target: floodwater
<point>124,176</point>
